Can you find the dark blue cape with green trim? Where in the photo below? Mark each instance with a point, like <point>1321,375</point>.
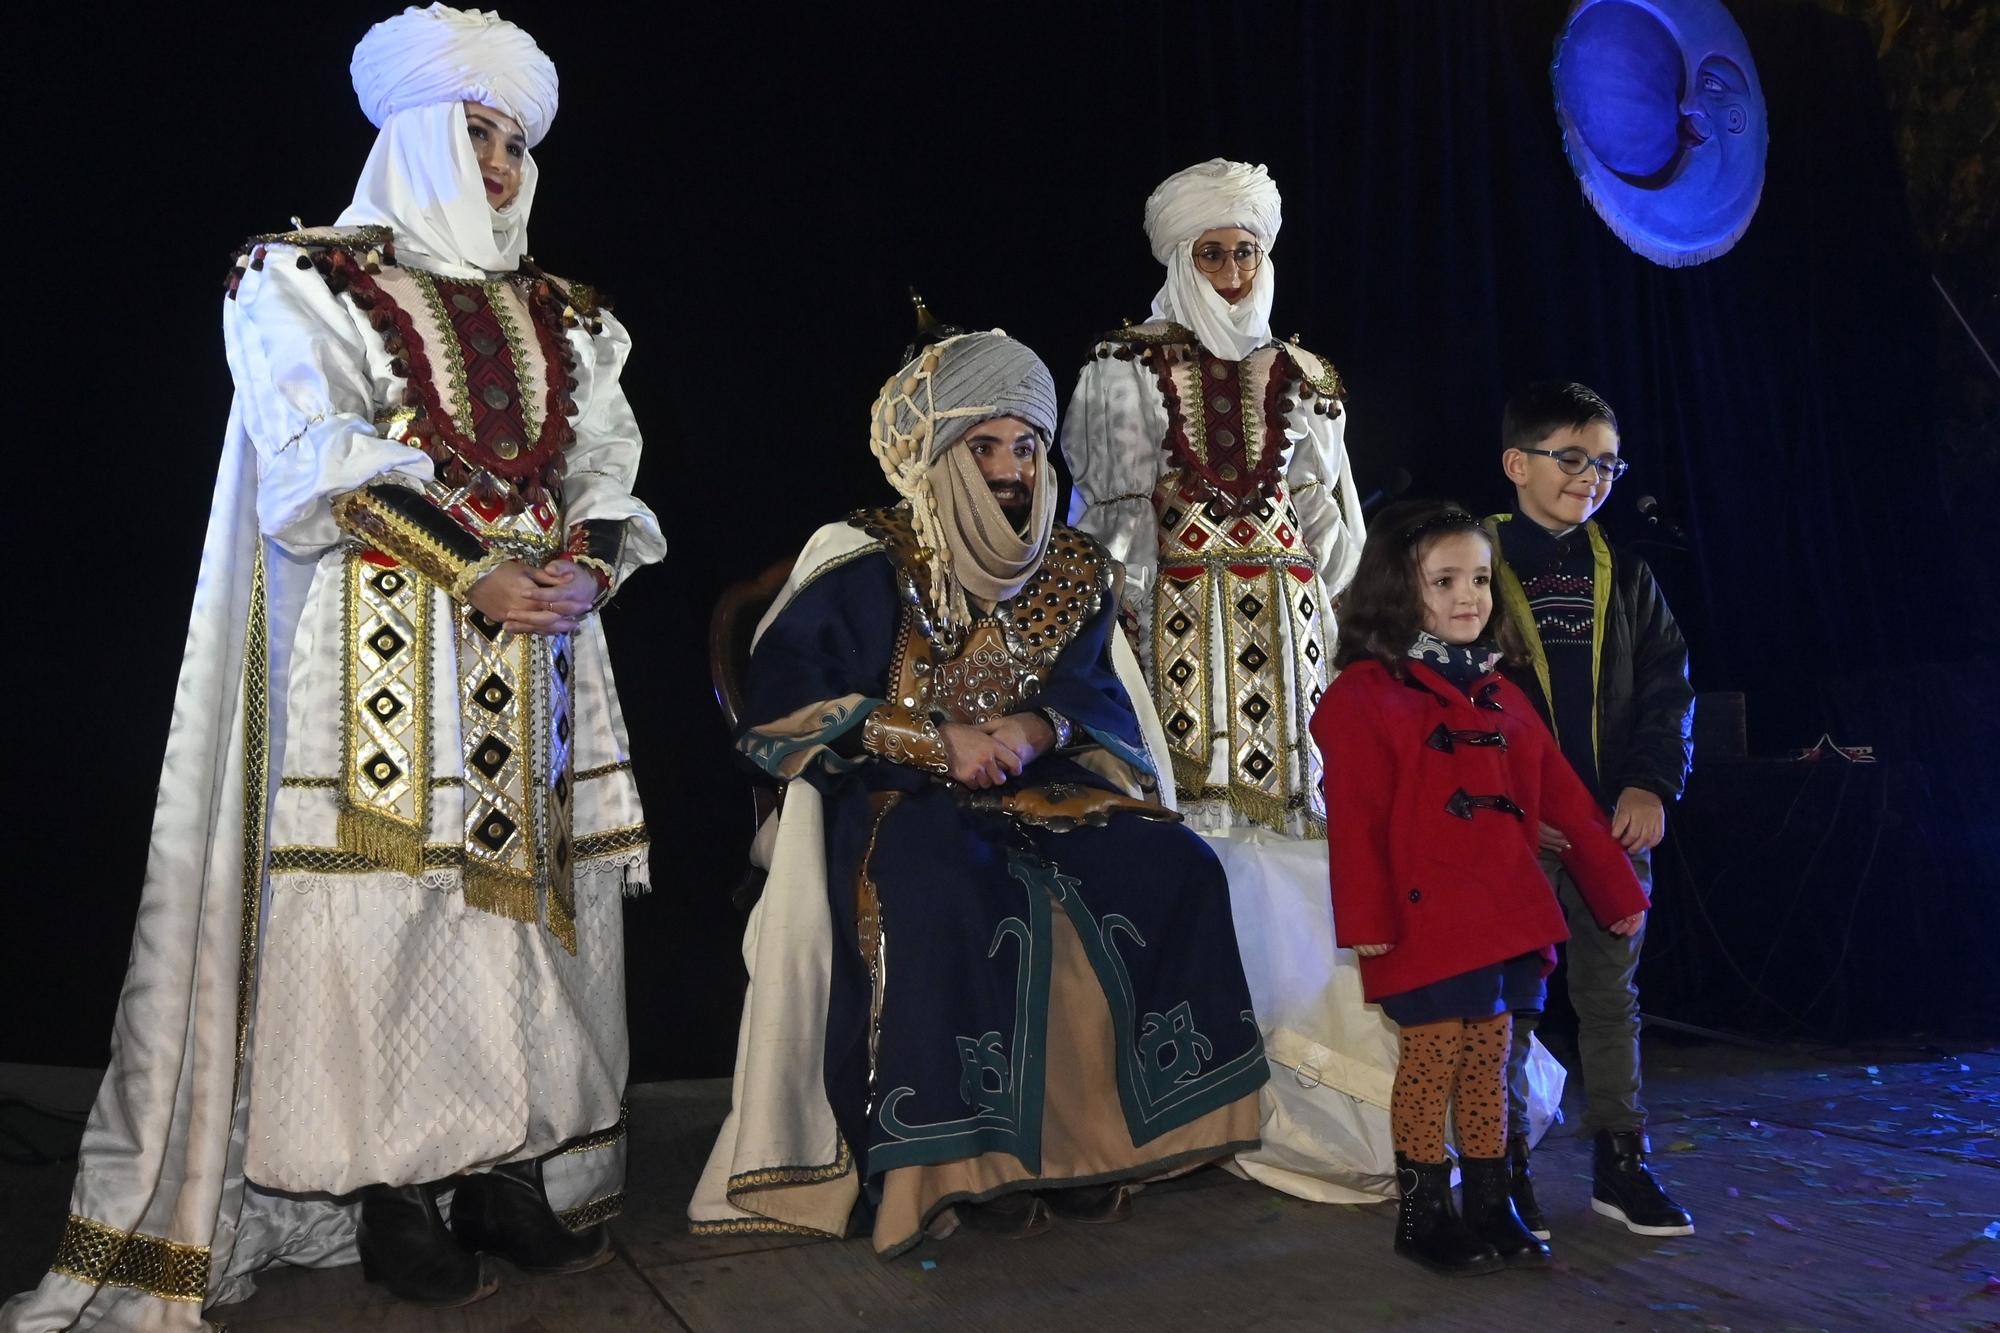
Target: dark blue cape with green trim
<point>966,906</point>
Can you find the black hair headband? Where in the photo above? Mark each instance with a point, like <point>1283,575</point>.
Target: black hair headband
<point>1451,520</point>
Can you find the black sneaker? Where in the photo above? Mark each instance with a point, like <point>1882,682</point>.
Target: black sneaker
<point>1622,1187</point>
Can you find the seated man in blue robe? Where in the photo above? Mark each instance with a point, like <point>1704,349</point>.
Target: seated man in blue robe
<point>992,979</point>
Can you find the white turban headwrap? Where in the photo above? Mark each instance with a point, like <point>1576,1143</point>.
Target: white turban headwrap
<point>413,73</point>
<point>441,54</point>
<point>925,409</point>
<point>1217,193</point>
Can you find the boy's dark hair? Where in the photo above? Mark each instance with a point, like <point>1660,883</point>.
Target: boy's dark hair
<point>1382,610</point>
<point>1540,410</point>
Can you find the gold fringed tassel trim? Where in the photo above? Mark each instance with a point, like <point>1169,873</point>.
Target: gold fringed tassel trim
<point>562,908</point>
<point>1190,775</point>
<point>384,842</point>
<point>1273,812</point>
<point>502,894</point>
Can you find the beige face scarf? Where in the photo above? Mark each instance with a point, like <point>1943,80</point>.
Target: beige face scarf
<point>989,558</point>
<point>921,415</point>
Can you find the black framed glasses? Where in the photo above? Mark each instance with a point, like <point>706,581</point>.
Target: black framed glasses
<point>1210,258</point>
<point>1575,461</point>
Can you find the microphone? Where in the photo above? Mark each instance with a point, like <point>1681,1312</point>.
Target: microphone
<point>1649,509</point>
<point>1399,481</point>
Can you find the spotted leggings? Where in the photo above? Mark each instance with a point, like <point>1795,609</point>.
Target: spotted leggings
<point>1459,1063</point>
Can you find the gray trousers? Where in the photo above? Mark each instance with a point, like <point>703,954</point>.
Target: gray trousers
<point>1604,991</point>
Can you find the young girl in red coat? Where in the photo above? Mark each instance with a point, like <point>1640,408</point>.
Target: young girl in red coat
<point>1437,772</point>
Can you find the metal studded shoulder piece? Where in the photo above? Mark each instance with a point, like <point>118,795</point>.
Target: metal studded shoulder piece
<point>582,304</point>
<point>1137,341</point>
<point>892,526</point>
<point>366,247</point>
<point>1319,382</point>
<point>1059,600</point>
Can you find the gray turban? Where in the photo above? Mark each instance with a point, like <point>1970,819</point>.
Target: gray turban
<point>926,408</point>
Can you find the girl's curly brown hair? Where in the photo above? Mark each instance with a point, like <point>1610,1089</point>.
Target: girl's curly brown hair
<point>1382,610</point>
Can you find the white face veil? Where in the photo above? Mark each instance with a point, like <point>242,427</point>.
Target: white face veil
<point>422,180</point>
<point>1217,193</point>
<point>413,73</point>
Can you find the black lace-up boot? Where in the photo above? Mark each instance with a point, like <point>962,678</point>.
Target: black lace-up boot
<point>1428,1227</point>
<point>1521,1183</point>
<point>1490,1215</point>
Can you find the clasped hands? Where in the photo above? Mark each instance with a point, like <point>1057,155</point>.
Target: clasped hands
<point>553,599</point>
<point>988,754</point>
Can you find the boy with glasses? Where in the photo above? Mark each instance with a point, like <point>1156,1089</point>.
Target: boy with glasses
<point>1608,671</point>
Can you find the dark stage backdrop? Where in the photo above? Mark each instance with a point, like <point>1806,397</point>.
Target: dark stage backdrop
<point>758,185</point>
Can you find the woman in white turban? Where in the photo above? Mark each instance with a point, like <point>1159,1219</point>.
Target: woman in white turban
<point>1210,459</point>
<point>379,949</point>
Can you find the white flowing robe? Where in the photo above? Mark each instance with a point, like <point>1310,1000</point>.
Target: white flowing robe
<point>365,1027</point>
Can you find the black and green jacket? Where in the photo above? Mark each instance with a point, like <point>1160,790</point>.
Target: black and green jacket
<point>1644,715</point>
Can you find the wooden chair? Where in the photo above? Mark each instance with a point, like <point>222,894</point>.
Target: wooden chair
<point>735,618</point>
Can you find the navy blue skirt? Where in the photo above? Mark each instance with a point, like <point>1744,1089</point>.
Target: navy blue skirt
<point>1498,988</point>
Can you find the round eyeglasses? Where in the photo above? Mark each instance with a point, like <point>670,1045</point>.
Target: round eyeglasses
<point>1211,257</point>
<point>1576,462</point>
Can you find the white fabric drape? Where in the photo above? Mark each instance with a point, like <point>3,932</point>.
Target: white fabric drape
<point>422,180</point>
<point>1333,1056</point>
<point>1231,332</point>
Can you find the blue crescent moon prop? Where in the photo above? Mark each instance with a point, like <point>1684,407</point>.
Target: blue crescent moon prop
<point>1663,121</point>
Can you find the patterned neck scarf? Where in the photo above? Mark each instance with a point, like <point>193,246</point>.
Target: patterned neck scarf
<point>1461,664</point>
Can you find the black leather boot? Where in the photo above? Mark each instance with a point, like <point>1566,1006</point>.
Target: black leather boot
<point>1623,1188</point>
<point>1521,1182</point>
<point>1489,1213</point>
<point>506,1212</point>
<point>406,1247</point>
<point>1428,1227</point>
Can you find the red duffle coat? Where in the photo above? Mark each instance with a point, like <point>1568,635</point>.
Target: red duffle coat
<point>1423,856</point>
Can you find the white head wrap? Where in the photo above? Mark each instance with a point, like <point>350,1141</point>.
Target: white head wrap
<point>925,409</point>
<point>1217,193</point>
<point>442,54</point>
<point>413,73</point>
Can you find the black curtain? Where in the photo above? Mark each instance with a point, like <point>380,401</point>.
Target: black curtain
<point>757,186</point>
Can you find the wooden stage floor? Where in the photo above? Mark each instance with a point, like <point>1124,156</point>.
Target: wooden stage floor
<point>1831,1189</point>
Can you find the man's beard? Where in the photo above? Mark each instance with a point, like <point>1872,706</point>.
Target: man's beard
<point>1016,502</point>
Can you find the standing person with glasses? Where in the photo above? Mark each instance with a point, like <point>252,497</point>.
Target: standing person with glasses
<point>1210,459</point>
<point>1608,671</point>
